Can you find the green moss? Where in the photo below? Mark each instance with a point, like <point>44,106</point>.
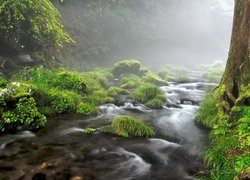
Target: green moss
<point>126,67</point>
<point>126,126</point>
<point>154,79</point>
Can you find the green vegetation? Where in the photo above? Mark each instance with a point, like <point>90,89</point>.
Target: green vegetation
<point>154,79</point>
<point>24,115</point>
<point>150,95</point>
<point>207,113</point>
<point>56,91</point>
<point>126,126</point>
<point>129,81</point>
<point>127,67</point>
<point>31,24</point>
<point>228,153</point>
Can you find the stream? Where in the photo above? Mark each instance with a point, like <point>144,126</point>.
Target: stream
<point>62,150</point>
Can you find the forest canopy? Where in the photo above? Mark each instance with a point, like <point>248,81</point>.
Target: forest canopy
<point>30,25</point>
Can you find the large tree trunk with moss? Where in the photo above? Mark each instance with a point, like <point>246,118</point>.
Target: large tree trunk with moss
<point>236,79</point>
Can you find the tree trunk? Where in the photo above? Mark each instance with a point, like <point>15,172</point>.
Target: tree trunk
<point>236,79</point>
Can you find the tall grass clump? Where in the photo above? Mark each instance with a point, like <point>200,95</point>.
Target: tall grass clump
<point>129,126</point>
<point>150,95</point>
<point>208,111</point>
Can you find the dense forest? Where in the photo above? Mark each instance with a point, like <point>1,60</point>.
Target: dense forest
<point>118,89</point>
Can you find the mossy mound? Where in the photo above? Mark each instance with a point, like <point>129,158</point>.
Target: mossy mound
<point>126,67</point>
<point>126,126</point>
<point>150,95</point>
<point>130,81</point>
<point>154,79</point>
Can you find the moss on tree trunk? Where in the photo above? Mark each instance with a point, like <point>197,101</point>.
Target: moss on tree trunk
<point>236,78</point>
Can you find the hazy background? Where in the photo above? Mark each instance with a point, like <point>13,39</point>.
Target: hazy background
<point>156,32</point>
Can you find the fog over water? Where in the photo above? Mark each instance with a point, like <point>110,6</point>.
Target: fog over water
<point>193,32</point>
<point>158,32</point>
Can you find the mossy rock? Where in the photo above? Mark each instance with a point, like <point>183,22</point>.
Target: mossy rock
<point>129,81</point>
<point>154,79</point>
<point>127,66</point>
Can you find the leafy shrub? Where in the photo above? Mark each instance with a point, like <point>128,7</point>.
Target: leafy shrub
<point>126,67</point>
<point>87,109</point>
<point>63,100</point>
<point>154,79</point>
<point>129,126</point>
<point>24,116</point>
<point>70,81</point>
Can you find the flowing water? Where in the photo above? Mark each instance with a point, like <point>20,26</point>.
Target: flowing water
<point>62,150</point>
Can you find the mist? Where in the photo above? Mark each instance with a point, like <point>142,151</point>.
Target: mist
<point>157,33</point>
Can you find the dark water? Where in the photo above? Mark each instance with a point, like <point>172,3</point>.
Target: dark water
<point>63,151</point>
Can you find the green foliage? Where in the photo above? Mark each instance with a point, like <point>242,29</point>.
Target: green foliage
<point>126,126</point>
<point>126,67</point>
<point>229,150</point>
<point>24,116</point>
<point>208,111</point>
<point>146,92</point>
<point>155,103</point>
<point>70,81</point>
<point>154,79</point>
<point>87,109</point>
<point>26,21</point>
<point>129,81</point>
<point>114,91</point>
<point>133,126</point>
<point>3,82</point>
<point>63,100</point>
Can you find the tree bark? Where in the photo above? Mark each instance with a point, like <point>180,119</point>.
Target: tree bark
<point>236,78</point>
